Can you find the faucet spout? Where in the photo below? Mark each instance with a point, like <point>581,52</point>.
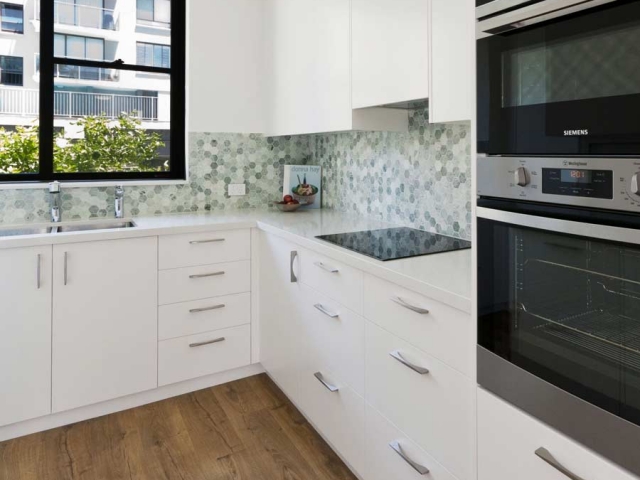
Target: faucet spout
<point>54,202</point>
<point>119,204</point>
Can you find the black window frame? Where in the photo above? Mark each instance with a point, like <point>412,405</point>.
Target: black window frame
<point>11,5</point>
<point>177,73</point>
<point>11,72</point>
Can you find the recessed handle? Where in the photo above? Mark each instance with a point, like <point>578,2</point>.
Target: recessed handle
<point>329,386</point>
<point>545,455</point>
<point>326,268</point>
<point>294,255</point>
<point>416,368</point>
<point>212,240</point>
<point>66,270</point>
<point>206,309</point>
<point>208,342</point>
<point>321,307</point>
<point>421,469</point>
<point>38,271</point>
<point>206,275</point>
<point>414,308</point>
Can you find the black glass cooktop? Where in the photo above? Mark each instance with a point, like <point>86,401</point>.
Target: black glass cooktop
<point>396,243</point>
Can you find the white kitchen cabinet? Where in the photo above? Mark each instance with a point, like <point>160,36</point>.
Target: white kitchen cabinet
<point>104,320</point>
<point>308,71</point>
<point>508,440</point>
<point>280,300</point>
<point>390,45</point>
<point>25,333</point>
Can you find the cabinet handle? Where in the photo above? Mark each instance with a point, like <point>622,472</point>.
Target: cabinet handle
<point>213,240</point>
<point>545,455</point>
<point>208,342</point>
<point>38,272</point>
<point>205,275</point>
<point>325,311</point>
<point>321,379</point>
<point>294,255</point>
<point>398,356</point>
<point>402,302</point>
<point>327,268</point>
<point>66,273</point>
<point>206,309</point>
<point>421,469</point>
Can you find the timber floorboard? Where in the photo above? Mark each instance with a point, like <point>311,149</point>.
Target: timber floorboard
<point>243,430</point>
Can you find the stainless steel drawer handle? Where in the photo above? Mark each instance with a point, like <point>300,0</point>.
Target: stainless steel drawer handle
<point>416,368</point>
<point>208,342</point>
<point>321,379</point>
<point>206,309</point>
<point>325,267</point>
<point>545,455</point>
<point>39,260</point>
<point>402,302</point>
<point>213,240</point>
<point>320,307</point>
<point>294,255</point>
<point>205,275</point>
<point>421,469</point>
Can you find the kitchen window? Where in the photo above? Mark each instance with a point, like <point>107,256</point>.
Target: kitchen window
<point>11,18</point>
<point>11,70</point>
<point>102,108</point>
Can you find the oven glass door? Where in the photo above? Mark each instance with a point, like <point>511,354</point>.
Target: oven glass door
<point>565,308</point>
<point>568,86</point>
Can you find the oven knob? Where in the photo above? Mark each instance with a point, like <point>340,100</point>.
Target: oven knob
<point>635,183</point>
<point>522,177</point>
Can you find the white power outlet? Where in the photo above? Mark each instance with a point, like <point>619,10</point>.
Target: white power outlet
<point>237,189</point>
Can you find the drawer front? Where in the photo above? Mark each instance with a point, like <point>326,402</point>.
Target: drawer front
<point>334,279</point>
<point>444,332</point>
<point>194,356</point>
<point>194,249</point>
<point>338,415</point>
<point>335,335</point>
<point>390,454</point>
<point>508,440</point>
<point>190,318</point>
<point>198,283</point>
<point>433,407</point>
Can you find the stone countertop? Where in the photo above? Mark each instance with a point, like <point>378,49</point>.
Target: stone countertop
<point>445,277</point>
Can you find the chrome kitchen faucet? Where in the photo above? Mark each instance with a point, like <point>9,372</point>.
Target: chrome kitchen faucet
<point>54,202</point>
<point>119,201</point>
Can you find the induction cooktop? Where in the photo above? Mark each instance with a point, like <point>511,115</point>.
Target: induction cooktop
<point>395,243</point>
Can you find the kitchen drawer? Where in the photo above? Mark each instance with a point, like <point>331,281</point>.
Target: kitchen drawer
<point>444,332</point>
<point>338,281</point>
<point>335,334</point>
<point>190,357</point>
<point>383,462</point>
<point>197,283</point>
<point>509,438</point>
<point>338,415</point>
<point>189,318</point>
<point>434,408</point>
<point>193,249</point>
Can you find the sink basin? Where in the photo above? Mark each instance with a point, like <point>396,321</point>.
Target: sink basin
<point>16,231</point>
<point>96,225</point>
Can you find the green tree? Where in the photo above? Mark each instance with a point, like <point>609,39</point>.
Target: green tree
<point>19,150</point>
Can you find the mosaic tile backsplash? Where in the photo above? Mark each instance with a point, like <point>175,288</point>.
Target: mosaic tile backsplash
<point>421,178</point>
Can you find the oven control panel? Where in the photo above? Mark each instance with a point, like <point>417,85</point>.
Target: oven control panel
<point>610,183</point>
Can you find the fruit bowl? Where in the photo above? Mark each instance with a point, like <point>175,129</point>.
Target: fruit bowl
<point>287,207</point>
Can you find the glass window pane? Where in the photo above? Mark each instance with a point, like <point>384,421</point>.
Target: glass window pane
<point>12,18</point>
<point>145,10</point>
<point>11,70</point>
<point>59,45</point>
<point>95,49</point>
<point>75,47</point>
<point>162,11</point>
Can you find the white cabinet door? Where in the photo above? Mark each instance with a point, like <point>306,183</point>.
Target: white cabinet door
<point>452,29</point>
<point>25,333</point>
<point>390,42</point>
<point>104,320</point>
<point>280,301</point>
<point>508,440</point>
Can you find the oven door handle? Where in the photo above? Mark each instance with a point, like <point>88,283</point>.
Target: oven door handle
<point>536,13</point>
<point>588,230</point>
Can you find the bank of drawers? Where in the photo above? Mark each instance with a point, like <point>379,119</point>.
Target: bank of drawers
<point>204,299</point>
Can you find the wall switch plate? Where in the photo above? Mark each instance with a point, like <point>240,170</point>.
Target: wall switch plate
<point>237,189</point>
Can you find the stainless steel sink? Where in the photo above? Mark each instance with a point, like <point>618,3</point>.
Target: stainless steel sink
<point>95,225</point>
<point>16,231</point>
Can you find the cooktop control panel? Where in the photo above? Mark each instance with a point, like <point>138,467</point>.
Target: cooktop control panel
<point>611,183</point>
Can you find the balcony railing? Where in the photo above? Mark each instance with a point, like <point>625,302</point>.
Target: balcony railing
<point>25,103</point>
<point>81,73</point>
<point>82,16</point>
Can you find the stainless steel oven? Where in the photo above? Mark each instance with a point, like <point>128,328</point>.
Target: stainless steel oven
<point>558,77</point>
<point>559,295</point>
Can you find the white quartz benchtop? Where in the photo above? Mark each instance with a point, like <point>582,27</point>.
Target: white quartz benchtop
<point>446,277</point>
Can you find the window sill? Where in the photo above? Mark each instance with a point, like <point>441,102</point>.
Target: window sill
<point>90,184</point>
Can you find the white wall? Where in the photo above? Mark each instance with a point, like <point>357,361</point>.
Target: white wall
<point>225,66</point>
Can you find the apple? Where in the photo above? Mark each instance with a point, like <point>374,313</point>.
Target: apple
<point>287,198</point>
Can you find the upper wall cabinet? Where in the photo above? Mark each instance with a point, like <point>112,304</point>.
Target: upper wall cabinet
<point>308,71</point>
<point>408,50</point>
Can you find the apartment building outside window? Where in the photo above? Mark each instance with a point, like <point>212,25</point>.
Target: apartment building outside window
<point>11,70</point>
<point>11,17</point>
<point>153,55</point>
<point>154,11</point>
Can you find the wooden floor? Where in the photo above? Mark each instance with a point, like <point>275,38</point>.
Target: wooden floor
<point>242,430</point>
